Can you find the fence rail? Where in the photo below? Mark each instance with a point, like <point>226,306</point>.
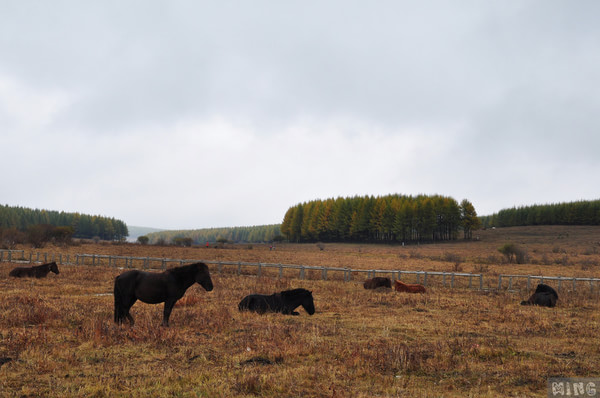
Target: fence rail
<point>427,278</point>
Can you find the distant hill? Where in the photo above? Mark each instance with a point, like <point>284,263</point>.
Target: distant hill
<point>135,232</point>
<point>252,234</point>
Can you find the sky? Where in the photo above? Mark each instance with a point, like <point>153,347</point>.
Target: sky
<point>195,114</point>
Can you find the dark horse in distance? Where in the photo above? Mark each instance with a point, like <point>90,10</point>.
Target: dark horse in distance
<point>37,271</point>
<point>285,302</point>
<point>153,288</point>
<point>376,282</point>
<point>544,296</point>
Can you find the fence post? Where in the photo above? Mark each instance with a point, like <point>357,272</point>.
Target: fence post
<point>480,281</point>
<point>470,281</point>
<point>499,282</point>
<point>452,281</point>
<point>425,279</point>
<point>574,284</point>
<point>259,270</point>
<point>559,283</point>
<point>302,272</point>
<point>219,267</point>
<point>528,282</point>
<point>324,273</point>
<point>239,268</point>
<point>30,257</point>
<point>280,271</point>
<point>510,283</point>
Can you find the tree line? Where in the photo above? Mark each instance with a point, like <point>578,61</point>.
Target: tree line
<point>253,234</point>
<point>83,225</point>
<point>572,213</point>
<point>383,219</point>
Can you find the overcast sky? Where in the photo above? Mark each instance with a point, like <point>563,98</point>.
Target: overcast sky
<point>192,114</point>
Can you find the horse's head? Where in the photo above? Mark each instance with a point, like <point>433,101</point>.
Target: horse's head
<point>308,303</point>
<point>54,267</point>
<point>203,277</point>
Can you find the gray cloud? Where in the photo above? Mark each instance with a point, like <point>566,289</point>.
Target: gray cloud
<point>191,114</point>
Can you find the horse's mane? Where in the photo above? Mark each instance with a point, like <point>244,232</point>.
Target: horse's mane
<point>184,269</point>
<point>288,294</point>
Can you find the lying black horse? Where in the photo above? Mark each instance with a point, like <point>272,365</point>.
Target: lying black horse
<point>544,295</point>
<point>153,288</point>
<point>285,302</point>
<point>376,282</point>
<point>37,271</point>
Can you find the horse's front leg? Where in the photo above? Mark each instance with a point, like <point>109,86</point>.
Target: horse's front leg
<point>167,312</point>
<point>289,311</point>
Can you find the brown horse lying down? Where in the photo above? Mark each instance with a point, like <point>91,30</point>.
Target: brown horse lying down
<point>544,296</point>
<point>37,271</point>
<point>376,282</point>
<point>408,287</point>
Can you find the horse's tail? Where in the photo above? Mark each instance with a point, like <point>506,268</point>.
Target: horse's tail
<point>119,312</point>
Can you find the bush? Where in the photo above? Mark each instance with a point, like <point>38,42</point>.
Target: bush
<point>38,235</point>
<point>62,235</point>
<point>514,252</point>
<point>10,237</point>
<point>143,240</point>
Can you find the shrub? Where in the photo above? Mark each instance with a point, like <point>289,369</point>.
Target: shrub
<point>456,259</point>
<point>38,235</point>
<point>143,240</point>
<point>513,252</point>
<point>62,235</point>
<point>10,237</point>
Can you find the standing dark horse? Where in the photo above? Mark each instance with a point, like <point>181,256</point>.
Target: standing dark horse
<point>153,288</point>
<point>544,296</point>
<point>37,271</point>
<point>285,302</point>
<point>376,282</point>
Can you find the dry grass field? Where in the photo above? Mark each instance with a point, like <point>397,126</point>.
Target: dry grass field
<point>57,337</point>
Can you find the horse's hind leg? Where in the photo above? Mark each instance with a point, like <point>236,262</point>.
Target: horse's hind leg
<point>127,308</point>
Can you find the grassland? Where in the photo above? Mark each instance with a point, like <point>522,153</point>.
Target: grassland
<point>58,338</point>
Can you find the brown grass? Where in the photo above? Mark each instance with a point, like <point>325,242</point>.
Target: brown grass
<point>61,341</point>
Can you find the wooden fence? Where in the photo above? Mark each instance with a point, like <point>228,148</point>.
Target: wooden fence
<point>427,278</point>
